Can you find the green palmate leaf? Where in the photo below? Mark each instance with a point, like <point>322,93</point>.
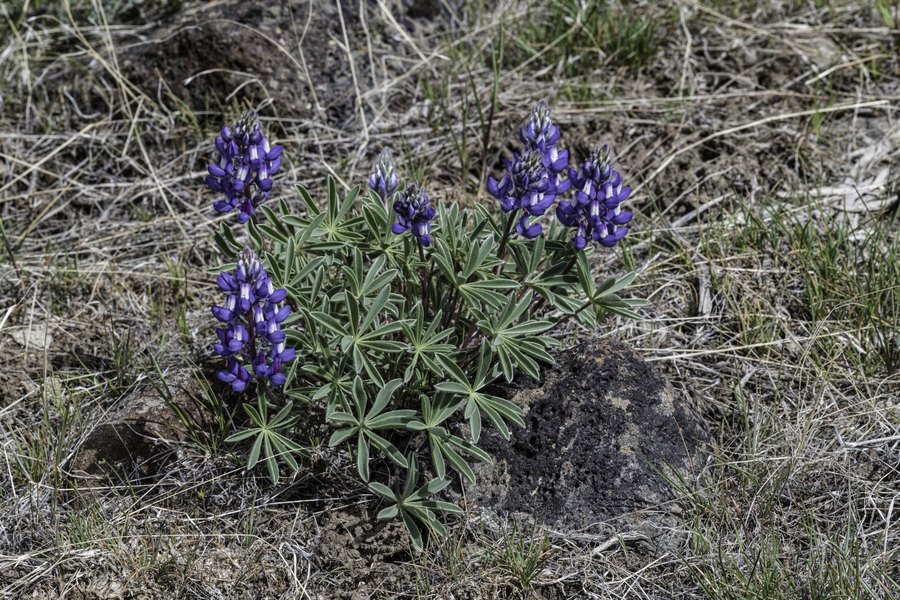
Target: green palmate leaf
<point>394,419</point>
<point>270,459</point>
<point>342,417</point>
<point>477,255</point>
<point>444,261</point>
<point>526,329</point>
<point>274,270</point>
<point>290,256</point>
<point>384,395</point>
<point>497,409</point>
<point>388,448</point>
<point>413,506</point>
<point>454,388</point>
<point>360,398</point>
<point>619,310</point>
<point>424,344</point>
<point>352,305</point>
<point>383,490</point>
<point>506,363</point>
<point>314,266</point>
<point>441,443</point>
<point>364,424</point>
<point>253,457</point>
<point>454,371</point>
<point>240,435</point>
<point>388,513</point>
<point>484,215</point>
<point>440,448</point>
<point>329,323</point>
<point>511,357</point>
<point>485,291</point>
<point>415,534</point>
<point>270,444</point>
<point>373,310</point>
<point>376,215</point>
<point>362,362</point>
<point>275,220</point>
<point>310,229</point>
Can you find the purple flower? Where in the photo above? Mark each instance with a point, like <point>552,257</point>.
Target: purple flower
<point>232,339</point>
<point>532,180</point>
<point>413,214</point>
<point>540,134</point>
<point>252,339</point>
<point>528,186</point>
<point>383,180</point>
<point>234,374</point>
<point>245,168</point>
<point>594,210</point>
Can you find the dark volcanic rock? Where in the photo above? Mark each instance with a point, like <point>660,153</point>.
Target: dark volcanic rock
<point>599,429</point>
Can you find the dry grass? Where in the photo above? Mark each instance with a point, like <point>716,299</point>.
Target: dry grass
<point>762,139</point>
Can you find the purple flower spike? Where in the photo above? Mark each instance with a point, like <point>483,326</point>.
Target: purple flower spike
<point>252,339</point>
<point>413,214</point>
<point>541,135</point>
<point>532,180</point>
<point>244,171</point>
<point>383,180</point>
<point>594,209</point>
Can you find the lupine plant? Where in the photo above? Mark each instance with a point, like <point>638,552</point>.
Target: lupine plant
<point>397,315</point>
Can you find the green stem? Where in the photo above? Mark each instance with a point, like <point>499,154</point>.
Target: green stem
<point>424,277</point>
<point>571,262</point>
<point>589,303</point>
<point>271,394</point>
<point>502,250</point>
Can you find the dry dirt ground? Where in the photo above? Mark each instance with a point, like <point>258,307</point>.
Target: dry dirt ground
<point>738,114</point>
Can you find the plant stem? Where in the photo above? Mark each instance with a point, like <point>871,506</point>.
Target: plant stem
<point>424,276</point>
<point>570,315</point>
<point>271,394</point>
<point>502,250</point>
<point>571,262</point>
<point>468,337</point>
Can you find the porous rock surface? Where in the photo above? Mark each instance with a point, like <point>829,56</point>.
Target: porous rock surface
<point>133,439</point>
<point>602,428</point>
